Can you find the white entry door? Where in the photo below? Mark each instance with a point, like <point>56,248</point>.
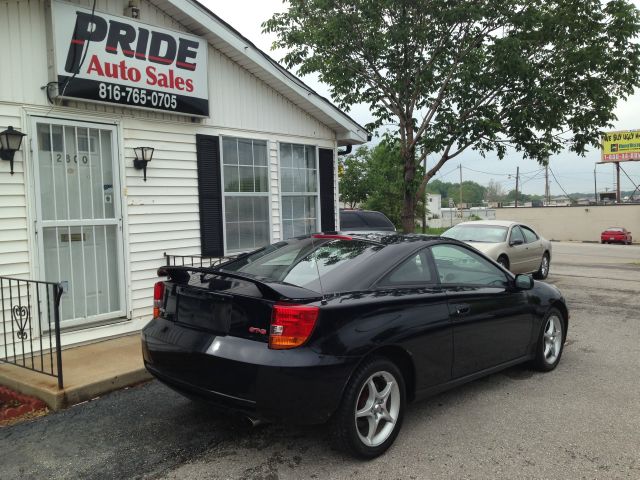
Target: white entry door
<point>79,224</point>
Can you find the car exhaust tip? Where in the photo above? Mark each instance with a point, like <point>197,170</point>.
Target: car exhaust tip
<point>254,422</point>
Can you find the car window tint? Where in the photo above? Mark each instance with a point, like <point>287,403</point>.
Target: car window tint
<point>457,265</point>
<point>414,270</point>
<point>301,262</point>
<point>351,220</point>
<point>516,234</point>
<point>529,235</point>
<point>377,220</point>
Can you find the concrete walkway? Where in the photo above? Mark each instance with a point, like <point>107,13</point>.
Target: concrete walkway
<point>89,371</point>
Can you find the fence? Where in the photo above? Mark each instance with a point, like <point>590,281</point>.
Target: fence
<point>31,325</point>
<point>195,260</point>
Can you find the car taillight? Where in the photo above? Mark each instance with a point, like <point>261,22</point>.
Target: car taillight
<point>158,297</point>
<point>291,325</point>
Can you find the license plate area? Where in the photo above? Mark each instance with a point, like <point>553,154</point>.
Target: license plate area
<point>204,310</point>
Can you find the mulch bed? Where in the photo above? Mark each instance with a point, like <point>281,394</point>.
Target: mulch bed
<point>14,406</point>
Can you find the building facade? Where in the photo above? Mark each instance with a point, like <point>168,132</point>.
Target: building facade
<point>244,153</point>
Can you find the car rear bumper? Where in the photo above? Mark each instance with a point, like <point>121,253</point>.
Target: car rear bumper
<point>297,385</point>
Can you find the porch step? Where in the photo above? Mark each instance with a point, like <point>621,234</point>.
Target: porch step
<point>89,371</point>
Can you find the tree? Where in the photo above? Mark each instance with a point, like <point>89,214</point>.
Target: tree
<point>494,191</point>
<point>472,192</point>
<point>450,75</point>
<point>353,185</point>
<point>384,177</point>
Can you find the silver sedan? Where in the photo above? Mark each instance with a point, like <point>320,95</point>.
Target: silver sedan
<point>515,246</point>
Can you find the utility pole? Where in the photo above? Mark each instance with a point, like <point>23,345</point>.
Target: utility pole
<point>460,165</point>
<point>618,199</point>
<point>517,184</point>
<point>424,209</point>
<point>547,198</point>
<point>595,184</point>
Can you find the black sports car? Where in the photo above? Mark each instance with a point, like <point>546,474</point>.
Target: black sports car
<point>347,329</point>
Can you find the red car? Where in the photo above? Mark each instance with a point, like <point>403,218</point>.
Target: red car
<point>616,234</point>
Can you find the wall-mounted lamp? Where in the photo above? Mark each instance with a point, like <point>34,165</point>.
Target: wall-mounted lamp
<point>143,156</point>
<point>10,141</point>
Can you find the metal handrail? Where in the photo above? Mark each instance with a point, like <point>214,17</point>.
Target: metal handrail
<point>30,332</point>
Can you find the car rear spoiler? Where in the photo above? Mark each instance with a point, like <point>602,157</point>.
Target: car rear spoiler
<point>274,290</point>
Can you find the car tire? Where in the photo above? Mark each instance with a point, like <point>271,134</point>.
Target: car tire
<point>367,422</point>
<point>504,261</point>
<point>550,341</point>
<point>543,271</point>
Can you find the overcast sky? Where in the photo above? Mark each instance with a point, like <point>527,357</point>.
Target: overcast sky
<point>573,173</point>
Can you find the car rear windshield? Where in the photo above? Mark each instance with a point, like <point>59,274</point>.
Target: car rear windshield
<point>351,220</point>
<point>478,233</point>
<point>300,261</point>
<point>614,229</point>
<point>365,221</point>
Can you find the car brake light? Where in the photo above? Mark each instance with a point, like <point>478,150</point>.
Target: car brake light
<point>158,297</point>
<point>291,325</point>
<point>332,237</point>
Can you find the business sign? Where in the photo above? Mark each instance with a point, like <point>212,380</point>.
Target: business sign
<point>621,146</point>
<point>117,60</point>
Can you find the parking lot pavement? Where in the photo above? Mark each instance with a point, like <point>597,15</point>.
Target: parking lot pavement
<point>581,421</point>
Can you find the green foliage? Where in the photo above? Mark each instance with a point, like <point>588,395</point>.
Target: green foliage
<point>472,192</point>
<point>447,75</point>
<point>353,175</point>
<point>374,176</point>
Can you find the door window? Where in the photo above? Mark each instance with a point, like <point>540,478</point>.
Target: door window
<point>414,270</point>
<point>457,265</point>
<point>529,235</point>
<point>516,234</point>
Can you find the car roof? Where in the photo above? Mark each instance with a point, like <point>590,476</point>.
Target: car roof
<point>388,238</point>
<point>497,223</point>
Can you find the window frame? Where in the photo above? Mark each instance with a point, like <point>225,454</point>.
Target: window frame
<point>523,228</point>
<point>508,279</point>
<point>524,240</point>
<point>225,194</point>
<point>315,194</point>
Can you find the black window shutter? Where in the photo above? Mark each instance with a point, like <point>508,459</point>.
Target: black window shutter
<point>327,191</point>
<point>210,194</point>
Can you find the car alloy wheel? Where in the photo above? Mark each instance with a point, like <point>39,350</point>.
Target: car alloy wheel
<point>551,342</point>
<point>377,408</point>
<point>370,416</point>
<point>543,271</point>
<point>552,339</point>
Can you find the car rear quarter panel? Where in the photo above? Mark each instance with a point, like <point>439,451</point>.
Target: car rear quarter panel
<point>357,324</point>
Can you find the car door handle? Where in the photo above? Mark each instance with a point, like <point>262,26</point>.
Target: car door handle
<point>462,309</point>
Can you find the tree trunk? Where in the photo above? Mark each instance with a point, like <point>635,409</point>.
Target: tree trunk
<point>409,203</point>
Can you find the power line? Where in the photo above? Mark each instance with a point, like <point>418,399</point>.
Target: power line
<point>499,174</point>
<point>563,190</point>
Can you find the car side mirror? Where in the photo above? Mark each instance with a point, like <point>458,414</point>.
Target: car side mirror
<point>513,243</point>
<point>523,282</point>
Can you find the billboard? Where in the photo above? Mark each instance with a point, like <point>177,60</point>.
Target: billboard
<point>621,146</point>
<point>118,60</point>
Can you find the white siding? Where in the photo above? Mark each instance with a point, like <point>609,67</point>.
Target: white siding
<point>14,244</point>
<point>162,214</point>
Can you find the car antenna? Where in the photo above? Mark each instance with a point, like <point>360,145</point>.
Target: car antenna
<point>313,246</point>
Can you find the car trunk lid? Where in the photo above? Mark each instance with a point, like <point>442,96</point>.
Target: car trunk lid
<point>224,303</point>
